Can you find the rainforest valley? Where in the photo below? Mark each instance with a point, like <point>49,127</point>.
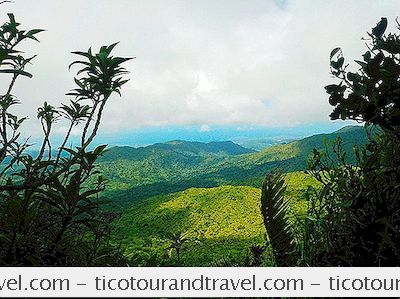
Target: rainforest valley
<point>325,200</point>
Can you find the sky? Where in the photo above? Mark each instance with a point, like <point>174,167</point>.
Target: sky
<point>206,66</point>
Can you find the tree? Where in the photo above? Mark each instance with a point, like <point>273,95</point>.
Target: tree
<point>371,94</point>
<point>362,202</point>
<point>354,218</point>
<point>177,240</point>
<point>50,212</point>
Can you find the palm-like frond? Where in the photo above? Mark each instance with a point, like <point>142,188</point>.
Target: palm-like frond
<point>274,211</point>
<point>102,73</point>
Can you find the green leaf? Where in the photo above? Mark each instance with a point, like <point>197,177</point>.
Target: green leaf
<point>380,28</point>
<point>347,204</point>
<point>353,77</point>
<point>361,63</point>
<point>334,51</point>
<point>337,64</point>
<point>17,72</point>
<point>367,56</point>
<point>31,33</point>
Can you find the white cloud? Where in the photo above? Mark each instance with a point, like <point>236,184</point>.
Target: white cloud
<point>204,128</point>
<point>221,62</point>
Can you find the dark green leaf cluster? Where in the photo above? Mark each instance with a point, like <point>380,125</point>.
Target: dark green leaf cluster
<point>354,218</point>
<point>11,60</point>
<point>359,205</point>
<point>103,74</point>
<point>50,210</point>
<point>372,93</point>
<point>356,215</point>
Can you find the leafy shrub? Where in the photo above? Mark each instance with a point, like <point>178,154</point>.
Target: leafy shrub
<point>362,203</point>
<point>354,218</point>
<point>50,212</point>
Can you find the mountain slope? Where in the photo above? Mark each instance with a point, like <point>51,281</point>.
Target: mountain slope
<point>153,170</point>
<point>226,220</point>
<point>215,147</point>
<point>288,157</point>
<point>176,147</point>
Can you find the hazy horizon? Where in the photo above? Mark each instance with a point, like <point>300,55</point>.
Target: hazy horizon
<point>150,136</point>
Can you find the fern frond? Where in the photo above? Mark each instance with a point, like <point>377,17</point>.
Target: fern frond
<point>274,211</point>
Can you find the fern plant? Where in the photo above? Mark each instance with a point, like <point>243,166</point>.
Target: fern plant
<point>274,211</point>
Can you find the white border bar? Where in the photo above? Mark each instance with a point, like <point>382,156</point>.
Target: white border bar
<point>199,282</point>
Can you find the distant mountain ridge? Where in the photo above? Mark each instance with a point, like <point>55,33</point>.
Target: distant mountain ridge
<point>260,143</point>
<point>216,147</point>
<point>189,148</point>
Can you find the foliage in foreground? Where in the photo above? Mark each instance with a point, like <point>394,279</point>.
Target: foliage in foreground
<point>363,202</point>
<point>354,219</point>
<point>49,213</point>
<point>276,221</point>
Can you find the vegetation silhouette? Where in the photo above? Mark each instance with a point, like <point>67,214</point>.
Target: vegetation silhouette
<point>354,218</point>
<point>49,206</point>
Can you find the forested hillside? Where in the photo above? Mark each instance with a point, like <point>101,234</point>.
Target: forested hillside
<point>205,194</point>
<point>177,147</point>
<point>257,195</point>
<point>136,173</point>
<point>219,223</point>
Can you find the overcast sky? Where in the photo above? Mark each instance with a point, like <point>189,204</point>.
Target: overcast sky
<point>200,63</point>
